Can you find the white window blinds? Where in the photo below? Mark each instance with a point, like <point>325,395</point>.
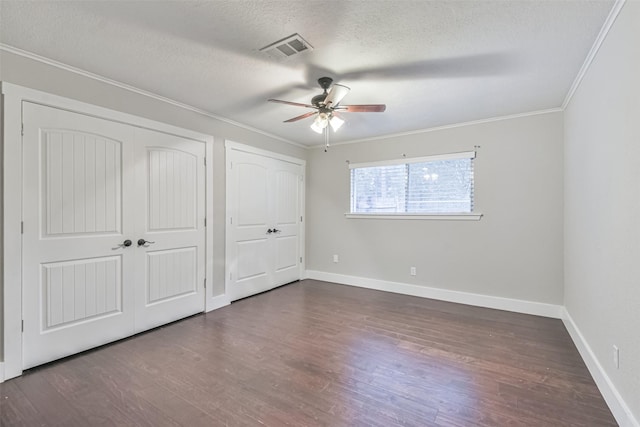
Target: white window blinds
<point>428,185</point>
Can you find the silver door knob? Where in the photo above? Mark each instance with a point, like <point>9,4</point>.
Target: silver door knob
<point>145,243</point>
<point>124,244</point>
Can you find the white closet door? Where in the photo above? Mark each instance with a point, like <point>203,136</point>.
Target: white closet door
<point>285,193</point>
<point>249,256</point>
<point>90,186</point>
<point>77,212</point>
<point>263,206</point>
<point>170,212</point>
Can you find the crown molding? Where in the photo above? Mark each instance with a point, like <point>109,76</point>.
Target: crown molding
<point>444,127</point>
<point>97,77</point>
<point>604,31</point>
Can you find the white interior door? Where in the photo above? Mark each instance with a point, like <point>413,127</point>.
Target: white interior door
<point>170,216</point>
<point>285,194</point>
<point>263,230</point>
<point>91,189</point>
<point>248,205</point>
<point>76,216</point>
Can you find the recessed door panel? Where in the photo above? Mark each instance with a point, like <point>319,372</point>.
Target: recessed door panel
<point>81,183</point>
<point>286,197</point>
<point>172,273</point>
<point>173,186</point>
<point>286,253</point>
<point>251,194</point>
<point>251,260</point>
<point>80,290</point>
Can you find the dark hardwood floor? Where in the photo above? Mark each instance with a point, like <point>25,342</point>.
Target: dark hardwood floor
<point>319,354</point>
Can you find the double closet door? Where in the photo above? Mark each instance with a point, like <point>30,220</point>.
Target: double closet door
<point>264,213</point>
<point>113,231</point>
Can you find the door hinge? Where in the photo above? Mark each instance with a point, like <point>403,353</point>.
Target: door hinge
<point>22,129</point>
<point>205,221</point>
<point>230,220</point>
<point>205,161</point>
<point>300,259</point>
<point>22,326</point>
<point>300,219</point>
<point>230,165</point>
<point>21,227</point>
<point>205,283</point>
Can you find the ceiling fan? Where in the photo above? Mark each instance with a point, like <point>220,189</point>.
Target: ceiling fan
<point>327,104</point>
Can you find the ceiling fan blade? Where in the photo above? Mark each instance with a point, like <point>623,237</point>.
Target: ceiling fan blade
<point>367,108</point>
<point>303,116</point>
<point>296,104</point>
<point>486,64</point>
<point>336,94</point>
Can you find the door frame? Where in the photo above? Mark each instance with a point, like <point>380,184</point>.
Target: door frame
<point>236,146</point>
<point>11,295</point>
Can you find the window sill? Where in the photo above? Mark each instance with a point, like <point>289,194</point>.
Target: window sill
<point>441,217</point>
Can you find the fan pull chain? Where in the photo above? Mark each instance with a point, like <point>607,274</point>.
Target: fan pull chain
<point>326,139</point>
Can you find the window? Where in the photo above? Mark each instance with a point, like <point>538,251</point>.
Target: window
<point>434,185</point>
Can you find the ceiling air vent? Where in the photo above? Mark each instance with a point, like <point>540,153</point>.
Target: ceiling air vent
<point>287,47</point>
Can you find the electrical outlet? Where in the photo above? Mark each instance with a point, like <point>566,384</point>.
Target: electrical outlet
<point>616,357</point>
<point>412,271</point>
<point>336,258</point>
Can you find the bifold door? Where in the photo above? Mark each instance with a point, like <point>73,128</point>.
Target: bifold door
<point>113,240</point>
<point>264,205</point>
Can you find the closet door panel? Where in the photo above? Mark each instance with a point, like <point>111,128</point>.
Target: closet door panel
<point>77,272</point>
<point>170,229</point>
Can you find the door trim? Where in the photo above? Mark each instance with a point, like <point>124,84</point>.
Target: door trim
<point>231,145</point>
<point>11,157</point>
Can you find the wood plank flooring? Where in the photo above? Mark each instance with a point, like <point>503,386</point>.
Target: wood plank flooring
<point>319,354</point>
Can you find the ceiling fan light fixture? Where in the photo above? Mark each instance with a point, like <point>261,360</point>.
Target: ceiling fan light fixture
<point>317,128</point>
<point>336,122</point>
<point>320,122</point>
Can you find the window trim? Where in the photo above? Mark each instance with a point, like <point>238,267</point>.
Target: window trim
<point>446,216</point>
<point>403,161</point>
<point>474,216</point>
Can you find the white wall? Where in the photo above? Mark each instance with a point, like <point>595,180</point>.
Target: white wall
<point>602,205</point>
<point>33,74</point>
<point>514,251</point>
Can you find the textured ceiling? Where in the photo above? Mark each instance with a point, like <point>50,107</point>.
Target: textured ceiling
<point>433,63</point>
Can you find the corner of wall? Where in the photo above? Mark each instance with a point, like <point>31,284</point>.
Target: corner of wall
<point>1,233</point>
<point>618,406</point>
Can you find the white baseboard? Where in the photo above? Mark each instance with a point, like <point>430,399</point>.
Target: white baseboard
<point>1,372</point>
<point>508,304</point>
<point>616,403</point>
<point>217,302</point>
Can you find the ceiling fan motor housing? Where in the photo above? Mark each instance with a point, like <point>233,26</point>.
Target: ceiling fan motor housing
<point>318,100</point>
<point>325,83</point>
